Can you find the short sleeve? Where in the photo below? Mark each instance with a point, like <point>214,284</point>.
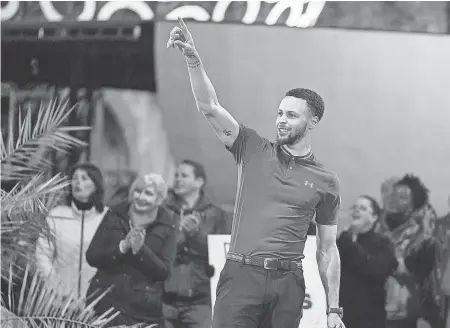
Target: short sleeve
<point>327,212</point>
<point>247,141</point>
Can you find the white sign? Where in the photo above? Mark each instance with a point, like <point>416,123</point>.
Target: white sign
<point>314,306</point>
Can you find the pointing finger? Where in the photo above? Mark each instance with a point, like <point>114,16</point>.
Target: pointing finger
<point>182,24</point>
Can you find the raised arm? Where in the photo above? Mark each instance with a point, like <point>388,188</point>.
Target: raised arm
<point>223,123</point>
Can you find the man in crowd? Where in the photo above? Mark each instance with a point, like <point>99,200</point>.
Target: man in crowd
<point>187,292</point>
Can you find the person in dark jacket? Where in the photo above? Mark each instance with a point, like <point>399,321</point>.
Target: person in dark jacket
<point>367,260</point>
<point>408,220</point>
<point>443,267</point>
<point>133,251</point>
<point>187,292</point>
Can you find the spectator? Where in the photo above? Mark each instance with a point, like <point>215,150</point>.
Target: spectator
<point>133,250</point>
<point>187,293</point>
<point>367,259</point>
<point>62,262</point>
<point>405,219</point>
<point>443,267</point>
<point>387,190</point>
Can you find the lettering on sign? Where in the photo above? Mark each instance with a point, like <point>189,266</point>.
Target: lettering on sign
<point>300,13</point>
<point>307,304</point>
<point>226,248</point>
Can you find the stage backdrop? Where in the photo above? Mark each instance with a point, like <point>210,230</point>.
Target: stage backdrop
<point>314,306</point>
<point>386,96</point>
<point>407,16</point>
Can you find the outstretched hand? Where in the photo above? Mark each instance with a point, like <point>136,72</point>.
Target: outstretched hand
<point>181,38</point>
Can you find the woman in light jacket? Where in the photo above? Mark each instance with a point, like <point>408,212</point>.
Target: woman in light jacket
<point>62,262</point>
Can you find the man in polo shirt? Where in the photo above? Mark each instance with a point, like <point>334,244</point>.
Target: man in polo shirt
<point>281,187</point>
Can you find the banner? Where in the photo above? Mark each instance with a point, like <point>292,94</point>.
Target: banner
<point>314,306</point>
<point>417,16</point>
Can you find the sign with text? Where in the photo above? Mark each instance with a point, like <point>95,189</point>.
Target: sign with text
<point>407,16</point>
<point>314,306</point>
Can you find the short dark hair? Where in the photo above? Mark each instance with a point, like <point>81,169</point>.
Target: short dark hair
<point>374,204</point>
<point>314,101</point>
<point>199,169</point>
<point>418,190</point>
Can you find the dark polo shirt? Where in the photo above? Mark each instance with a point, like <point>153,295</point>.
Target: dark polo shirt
<point>278,195</point>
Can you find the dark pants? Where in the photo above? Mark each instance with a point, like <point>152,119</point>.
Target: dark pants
<point>253,297</point>
<point>182,315</point>
<point>403,323</point>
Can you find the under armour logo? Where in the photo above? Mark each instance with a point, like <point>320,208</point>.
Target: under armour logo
<point>310,184</point>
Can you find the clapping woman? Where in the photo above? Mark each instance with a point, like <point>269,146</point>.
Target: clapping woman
<point>133,250</point>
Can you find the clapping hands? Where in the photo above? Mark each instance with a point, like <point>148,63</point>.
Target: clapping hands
<point>190,223</point>
<point>133,241</point>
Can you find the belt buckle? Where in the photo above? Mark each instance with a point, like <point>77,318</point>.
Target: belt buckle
<point>267,263</point>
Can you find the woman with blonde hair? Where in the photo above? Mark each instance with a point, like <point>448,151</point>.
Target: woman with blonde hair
<point>133,251</point>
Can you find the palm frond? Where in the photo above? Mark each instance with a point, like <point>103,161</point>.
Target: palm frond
<point>35,304</point>
<point>27,301</point>
<point>37,133</point>
<point>19,236</point>
<point>34,195</point>
<point>24,210</point>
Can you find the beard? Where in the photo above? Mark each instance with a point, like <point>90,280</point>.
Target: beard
<point>291,138</point>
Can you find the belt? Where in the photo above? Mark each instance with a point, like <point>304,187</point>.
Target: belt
<point>264,262</point>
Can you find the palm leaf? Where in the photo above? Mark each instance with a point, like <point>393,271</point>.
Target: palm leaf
<point>23,212</point>
<point>36,305</point>
<point>34,195</point>
<point>24,167</point>
<point>26,156</point>
<point>28,301</point>
<point>19,234</point>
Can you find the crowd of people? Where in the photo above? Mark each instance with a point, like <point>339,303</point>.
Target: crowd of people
<point>395,264</point>
<point>148,256</point>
